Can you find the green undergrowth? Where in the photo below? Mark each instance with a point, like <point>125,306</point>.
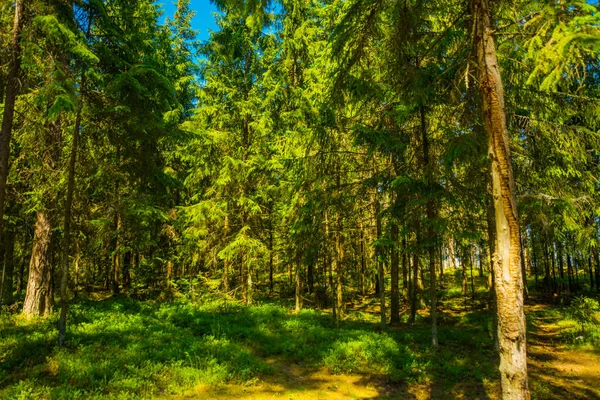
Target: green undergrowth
<point>122,348</point>
<point>577,325</point>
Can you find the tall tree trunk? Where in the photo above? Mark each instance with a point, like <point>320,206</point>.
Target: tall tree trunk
<point>14,67</point>
<point>415,273</point>
<point>64,304</point>
<point>523,272</point>
<point>431,216</point>
<point>362,260</point>
<point>395,261</point>
<point>535,260</point>
<point>591,271</point>
<point>547,278</point>
<point>334,313</point>
<point>597,259</point>
<point>380,266</point>
<point>569,274</point>
<point>452,252</point>
<point>298,284</point>
<point>116,255</point>
<point>225,278</point>
<point>127,260</point>
<point>39,299</point>
<point>491,229</point>
<point>480,259</point>
<point>509,280</point>
<point>339,269</point>
<point>464,263</point>
<point>471,262</point>
<point>270,254</point>
<point>561,263</point>
<point>6,286</point>
<point>405,278</point>
<point>22,261</point>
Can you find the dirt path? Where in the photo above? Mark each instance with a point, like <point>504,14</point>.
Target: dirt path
<point>555,370</point>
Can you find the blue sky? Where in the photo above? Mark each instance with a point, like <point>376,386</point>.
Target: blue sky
<point>204,19</point>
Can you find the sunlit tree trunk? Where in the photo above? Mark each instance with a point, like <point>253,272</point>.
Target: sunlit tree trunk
<point>38,297</point>
<point>507,269</point>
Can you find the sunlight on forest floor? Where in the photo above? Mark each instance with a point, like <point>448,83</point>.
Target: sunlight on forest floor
<point>202,348</point>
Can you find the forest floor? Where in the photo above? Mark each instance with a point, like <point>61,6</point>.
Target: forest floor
<point>126,347</point>
<point>558,370</point>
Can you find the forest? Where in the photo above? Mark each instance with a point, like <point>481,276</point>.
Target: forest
<point>324,199</point>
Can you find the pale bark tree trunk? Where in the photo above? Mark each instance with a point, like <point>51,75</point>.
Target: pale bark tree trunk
<point>507,269</point>
<point>38,298</point>
<point>14,66</point>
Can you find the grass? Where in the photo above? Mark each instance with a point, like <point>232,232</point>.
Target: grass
<point>121,348</point>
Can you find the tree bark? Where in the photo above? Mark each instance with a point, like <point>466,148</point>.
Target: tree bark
<point>14,67</point>
<point>491,229</point>
<point>464,263</point>
<point>508,274</point>
<point>395,261</point>
<point>362,260</point>
<point>339,269</point>
<point>270,253</point>
<point>6,286</point>
<point>415,273</point>
<point>330,270</point>
<point>62,325</point>
<point>298,284</point>
<point>380,266</point>
<point>225,278</point>
<point>431,216</point>
<point>405,277</point>
<point>39,300</point>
